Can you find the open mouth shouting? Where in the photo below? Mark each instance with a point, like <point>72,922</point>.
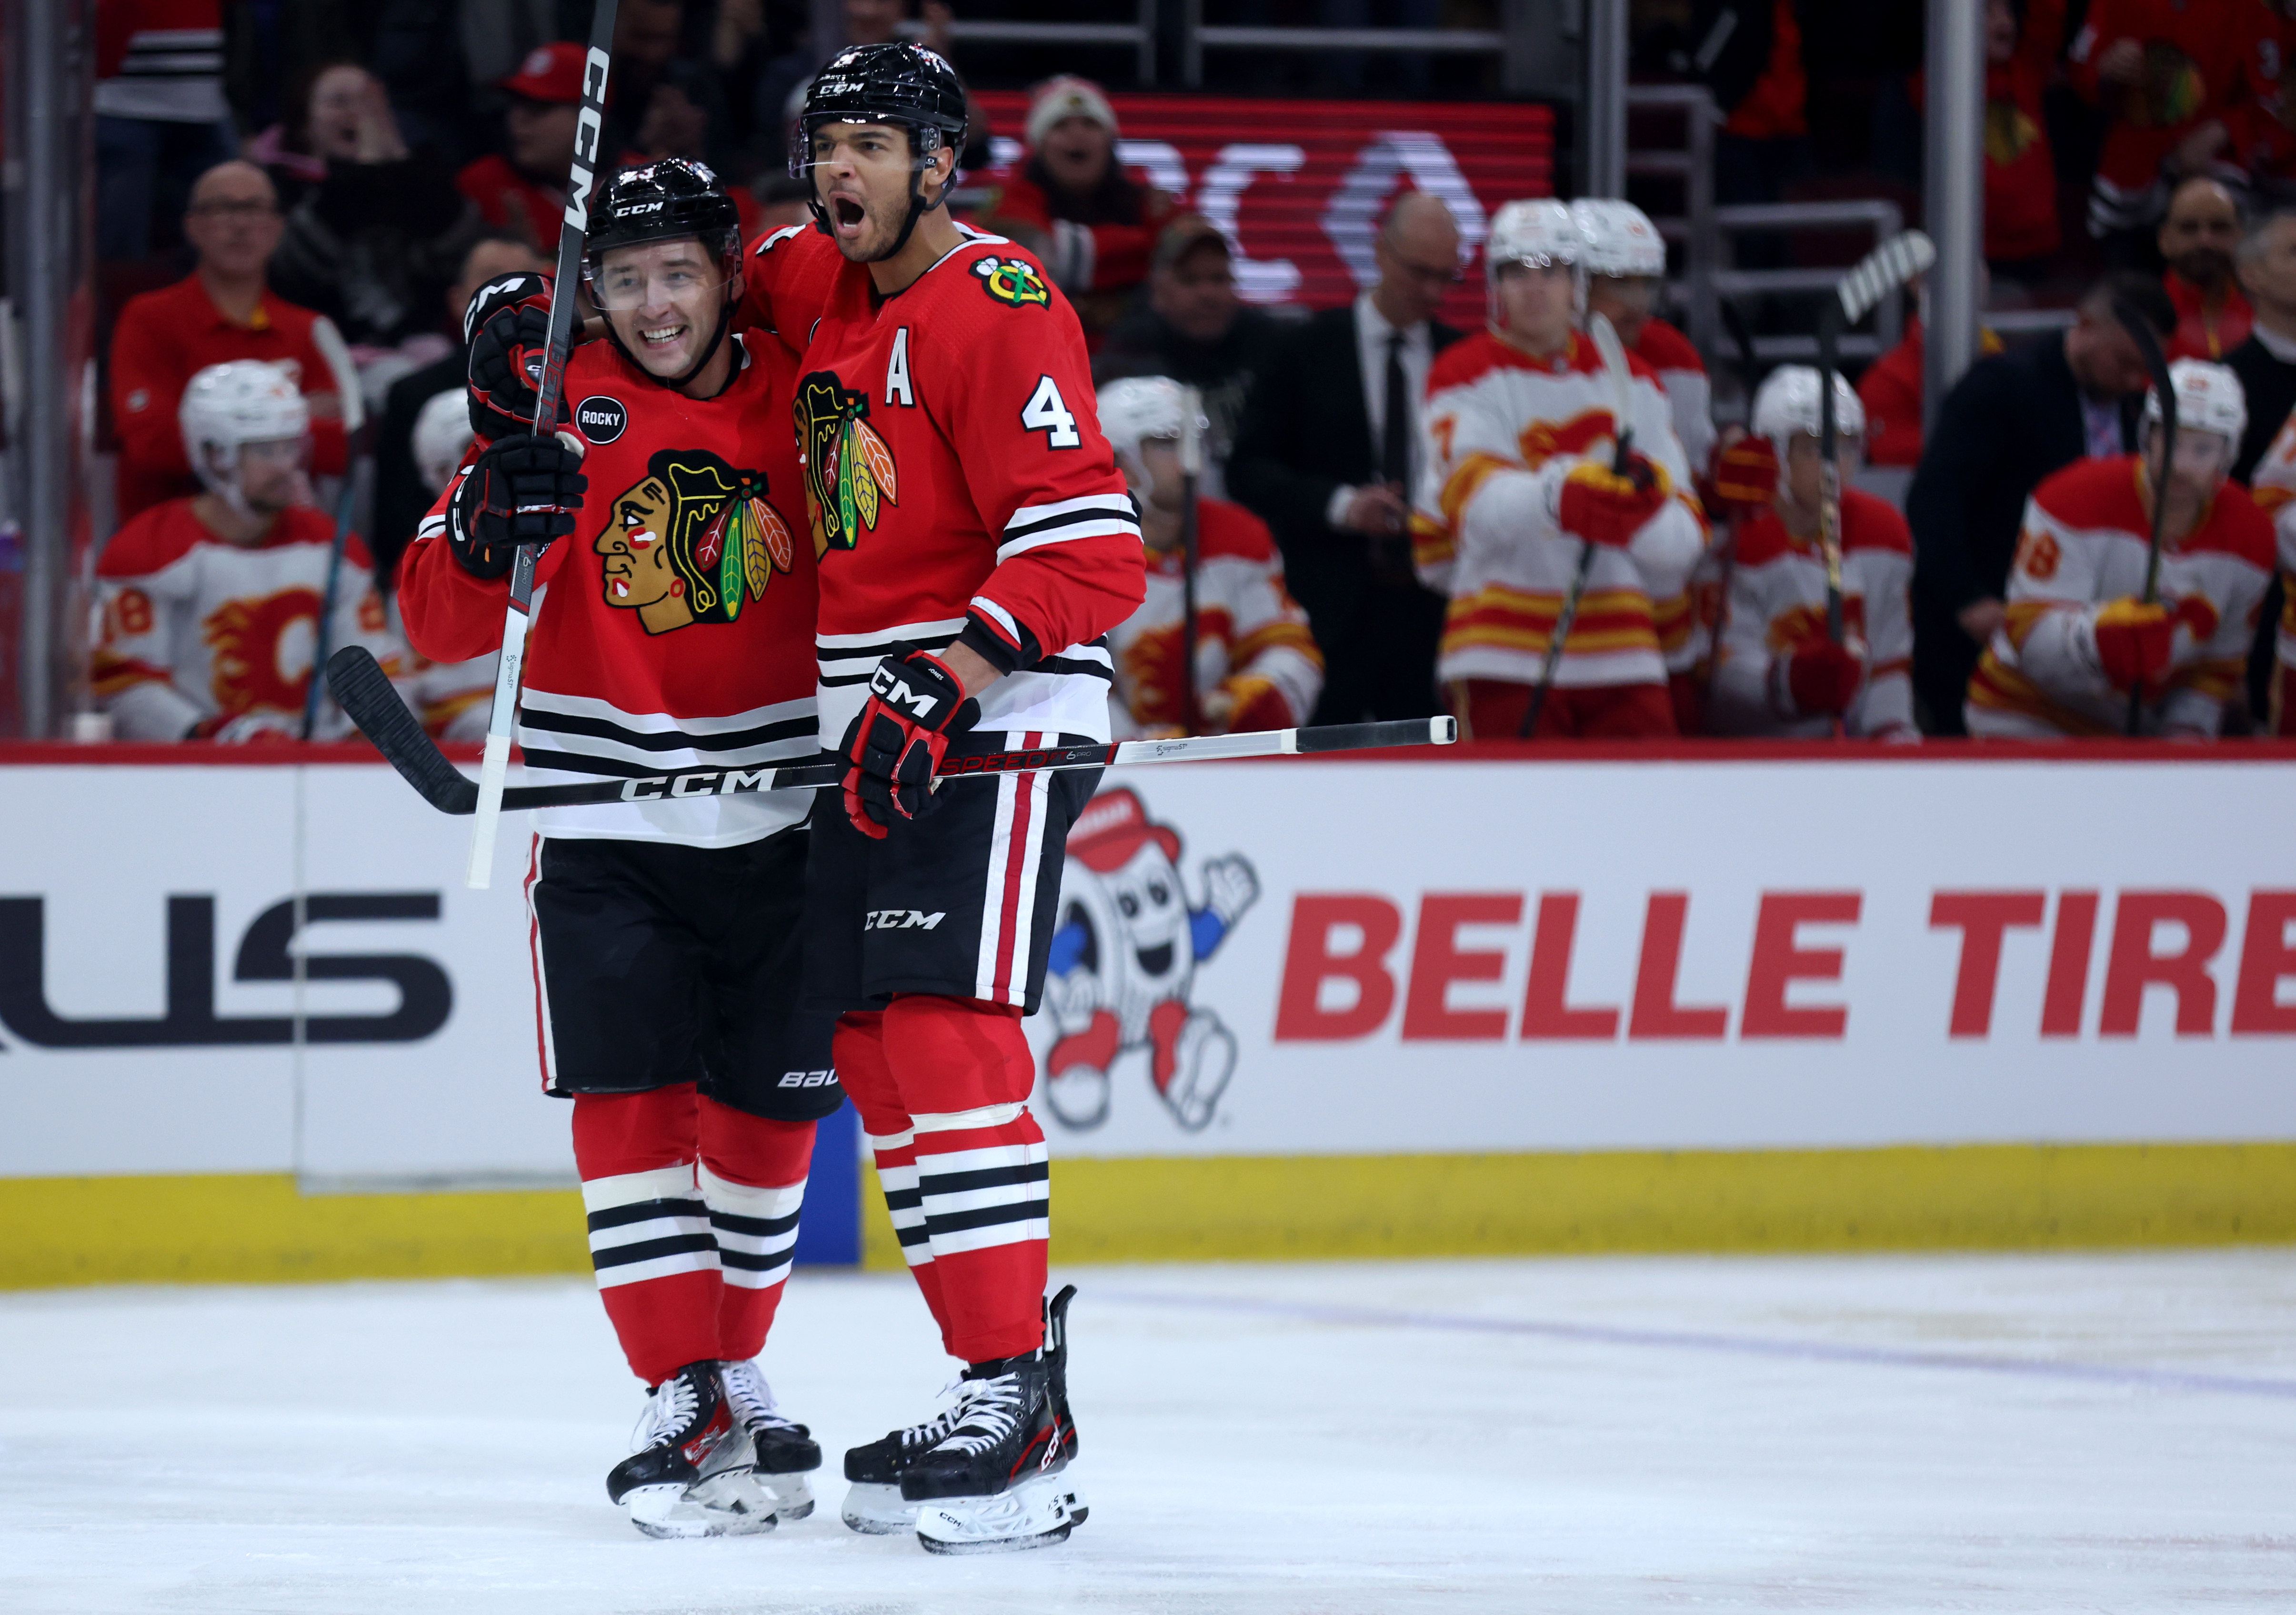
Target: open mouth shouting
<point>847,217</point>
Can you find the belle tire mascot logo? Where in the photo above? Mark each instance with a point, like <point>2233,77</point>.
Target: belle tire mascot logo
<point>1123,962</point>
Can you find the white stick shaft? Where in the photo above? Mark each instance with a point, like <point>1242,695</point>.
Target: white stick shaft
<point>495,765</point>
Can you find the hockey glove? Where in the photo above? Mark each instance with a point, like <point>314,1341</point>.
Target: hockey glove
<point>508,328</point>
<point>1822,678</point>
<point>1745,476</point>
<point>915,707</point>
<point>2134,643</point>
<point>1600,506</point>
<point>523,491</point>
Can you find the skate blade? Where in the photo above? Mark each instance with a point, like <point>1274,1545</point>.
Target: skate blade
<point>789,1496</point>
<point>730,1505</point>
<point>877,1510</point>
<point>1038,1513</point>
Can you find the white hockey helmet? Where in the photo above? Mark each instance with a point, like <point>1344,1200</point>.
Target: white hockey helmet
<point>1139,408</point>
<point>1539,233</point>
<point>1787,405</point>
<point>1620,238</point>
<point>442,431</point>
<point>229,405</point>
<point>2210,397</point>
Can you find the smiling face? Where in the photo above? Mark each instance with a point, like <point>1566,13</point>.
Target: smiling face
<point>1157,948</point>
<point>666,300</point>
<point>635,549</point>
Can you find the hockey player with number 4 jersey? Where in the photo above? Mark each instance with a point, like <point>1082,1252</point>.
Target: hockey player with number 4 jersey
<point>672,630</point>
<point>1519,481</point>
<point>2081,635</point>
<point>977,545</point>
<point>1779,672</point>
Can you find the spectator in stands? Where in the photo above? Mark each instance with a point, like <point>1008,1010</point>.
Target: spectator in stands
<point>211,603</point>
<point>1329,453</point>
<point>2080,642</point>
<point>662,104</point>
<point>1196,330</point>
<point>782,201</point>
<point>401,496</point>
<point>2266,362</point>
<point>222,310</point>
<point>2008,422</point>
<point>1257,666</point>
<point>1072,204</point>
<point>782,86</point>
<point>522,187</point>
<point>1750,54</point>
<point>2198,235</point>
<point>2186,91</point>
<point>2021,232</point>
<point>377,242</point>
<point>161,118</point>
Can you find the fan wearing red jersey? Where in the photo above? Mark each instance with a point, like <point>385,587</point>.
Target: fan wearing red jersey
<point>977,545</point>
<point>1779,672</point>
<point>2081,634</point>
<point>673,620</point>
<point>1257,664</point>
<point>211,603</point>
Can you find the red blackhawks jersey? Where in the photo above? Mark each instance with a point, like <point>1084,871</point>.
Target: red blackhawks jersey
<point>1252,643</point>
<point>956,479</point>
<point>671,630</point>
<point>2087,529</point>
<point>197,628</point>
<point>1777,605</point>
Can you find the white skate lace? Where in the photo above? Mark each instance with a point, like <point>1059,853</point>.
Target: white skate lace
<point>752,1398</point>
<point>990,1411</point>
<point>669,1410</point>
<point>931,1433</point>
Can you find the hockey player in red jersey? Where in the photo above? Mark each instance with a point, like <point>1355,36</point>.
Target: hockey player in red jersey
<point>1257,664</point>
<point>674,634</point>
<point>1519,481</point>
<point>2081,635</point>
<point>211,603</point>
<point>977,546</point>
<point>1778,672</point>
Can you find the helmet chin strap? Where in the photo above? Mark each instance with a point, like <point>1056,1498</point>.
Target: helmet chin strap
<point>708,350</point>
<point>918,208</point>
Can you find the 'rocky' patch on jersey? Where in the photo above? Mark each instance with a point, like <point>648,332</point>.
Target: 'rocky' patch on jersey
<point>1011,281</point>
<point>601,419</point>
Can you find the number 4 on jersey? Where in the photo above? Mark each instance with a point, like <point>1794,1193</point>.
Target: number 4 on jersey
<point>1045,413</point>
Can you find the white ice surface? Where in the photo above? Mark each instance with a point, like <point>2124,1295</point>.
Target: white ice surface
<point>2013,1433</point>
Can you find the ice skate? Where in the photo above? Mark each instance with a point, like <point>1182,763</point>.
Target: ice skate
<point>689,1473</point>
<point>784,1452</point>
<point>873,1504</point>
<point>998,1481</point>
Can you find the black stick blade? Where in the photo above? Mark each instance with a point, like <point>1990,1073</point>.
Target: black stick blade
<point>1367,737</point>
<point>364,691</point>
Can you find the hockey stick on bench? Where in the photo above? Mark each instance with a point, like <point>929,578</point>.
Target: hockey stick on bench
<point>362,690</point>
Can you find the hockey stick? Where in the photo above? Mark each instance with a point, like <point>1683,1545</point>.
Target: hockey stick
<point>1622,404</point>
<point>2148,343</point>
<point>1750,376</point>
<point>496,768</point>
<point>364,691</point>
<point>1191,466</point>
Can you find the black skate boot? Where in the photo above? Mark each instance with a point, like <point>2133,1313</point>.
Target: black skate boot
<point>873,1504</point>
<point>784,1452</point>
<point>690,1474</point>
<point>998,1480</point>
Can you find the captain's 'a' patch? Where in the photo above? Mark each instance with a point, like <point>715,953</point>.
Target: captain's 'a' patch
<point>1012,282</point>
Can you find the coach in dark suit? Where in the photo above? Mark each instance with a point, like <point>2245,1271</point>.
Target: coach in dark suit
<point>1327,455</point>
<point>2007,423</point>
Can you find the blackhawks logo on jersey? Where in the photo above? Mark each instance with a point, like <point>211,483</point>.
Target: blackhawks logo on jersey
<point>849,471</point>
<point>691,541</point>
<point>1011,281</point>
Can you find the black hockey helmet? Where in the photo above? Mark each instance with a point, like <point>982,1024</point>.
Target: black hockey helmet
<point>674,199</point>
<point>901,84</point>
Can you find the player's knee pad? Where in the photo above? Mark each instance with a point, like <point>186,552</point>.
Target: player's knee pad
<point>742,1149</point>
<point>616,1134</point>
<point>958,1055</point>
<point>867,1076</point>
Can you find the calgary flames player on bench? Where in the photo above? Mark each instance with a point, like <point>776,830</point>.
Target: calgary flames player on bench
<point>1257,664</point>
<point>1519,481</point>
<point>211,603</point>
<point>2081,635</point>
<point>1778,672</point>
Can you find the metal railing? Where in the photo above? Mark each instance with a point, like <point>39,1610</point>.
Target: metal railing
<point>1140,34</point>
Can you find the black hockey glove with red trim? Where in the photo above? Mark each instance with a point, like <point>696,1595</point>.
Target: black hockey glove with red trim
<point>917,706</point>
<point>508,329</point>
<point>523,491</point>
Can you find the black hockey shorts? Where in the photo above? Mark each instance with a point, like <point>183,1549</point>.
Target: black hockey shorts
<point>960,903</point>
<point>657,964</point>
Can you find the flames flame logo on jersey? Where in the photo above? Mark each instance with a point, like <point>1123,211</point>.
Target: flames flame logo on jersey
<point>1803,624</point>
<point>254,640</point>
<point>849,471</point>
<point>1012,282</point>
<point>691,541</point>
<point>1542,440</point>
<point>1123,967</point>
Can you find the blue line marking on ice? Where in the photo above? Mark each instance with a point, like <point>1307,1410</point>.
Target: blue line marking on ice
<point>1753,1346</point>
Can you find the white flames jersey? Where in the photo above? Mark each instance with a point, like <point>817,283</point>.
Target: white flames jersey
<point>1252,643</point>
<point>1777,603</point>
<point>2086,539</point>
<point>2273,487</point>
<point>198,630</point>
<point>1501,431</point>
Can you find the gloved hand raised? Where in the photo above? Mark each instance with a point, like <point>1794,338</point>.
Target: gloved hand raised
<point>1603,506</point>
<point>523,491</point>
<point>508,328</point>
